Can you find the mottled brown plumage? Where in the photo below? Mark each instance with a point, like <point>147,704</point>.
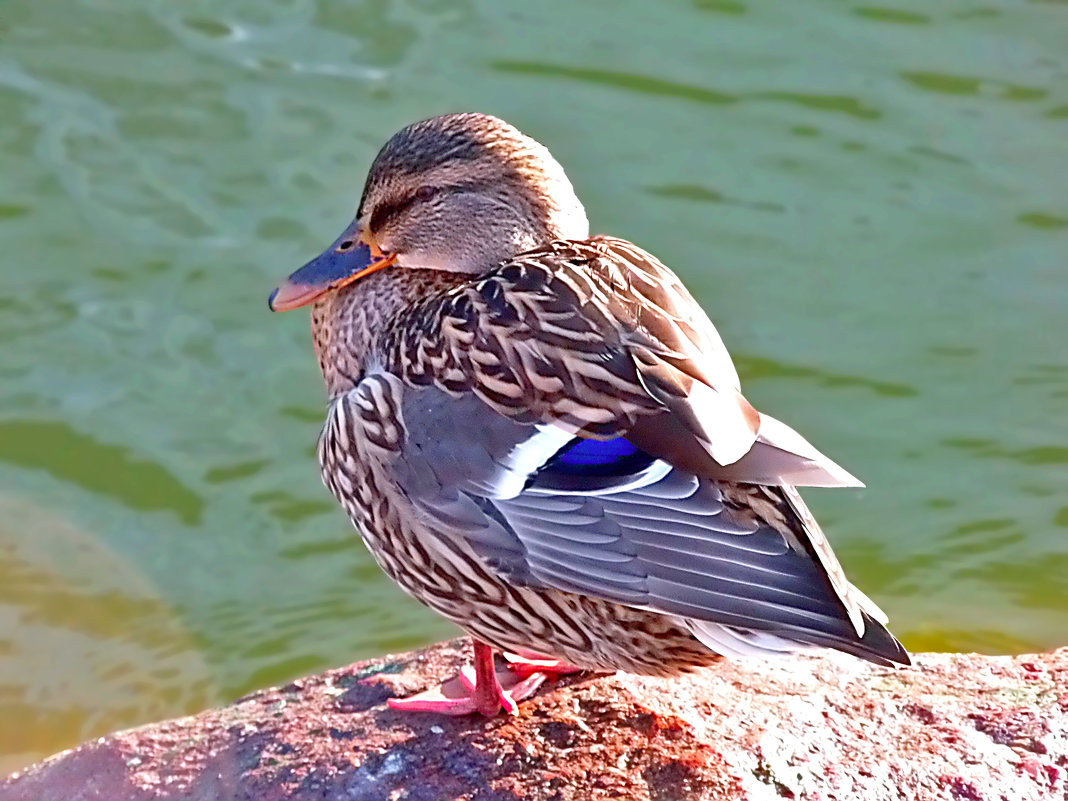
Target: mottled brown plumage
<point>542,437</point>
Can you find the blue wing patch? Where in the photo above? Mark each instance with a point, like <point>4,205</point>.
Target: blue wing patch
<point>590,464</point>
<point>594,453</point>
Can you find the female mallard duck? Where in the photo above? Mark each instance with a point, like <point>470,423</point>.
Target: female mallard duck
<point>541,436</point>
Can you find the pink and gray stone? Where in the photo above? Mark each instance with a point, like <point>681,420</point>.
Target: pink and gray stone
<point>820,728</point>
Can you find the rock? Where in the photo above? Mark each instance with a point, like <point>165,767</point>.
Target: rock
<point>955,726</point>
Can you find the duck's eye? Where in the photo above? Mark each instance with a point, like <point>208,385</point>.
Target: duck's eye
<point>425,193</point>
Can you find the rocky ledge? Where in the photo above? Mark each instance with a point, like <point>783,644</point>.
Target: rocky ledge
<point>955,726</point>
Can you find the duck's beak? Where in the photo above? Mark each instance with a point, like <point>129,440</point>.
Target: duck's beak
<point>353,255</point>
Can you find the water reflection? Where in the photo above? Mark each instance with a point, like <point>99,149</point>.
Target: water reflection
<point>106,470</point>
<point>86,644</point>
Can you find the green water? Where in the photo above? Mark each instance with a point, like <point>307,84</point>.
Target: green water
<point>870,201</point>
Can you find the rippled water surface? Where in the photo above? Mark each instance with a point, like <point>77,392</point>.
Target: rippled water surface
<point>869,200</point>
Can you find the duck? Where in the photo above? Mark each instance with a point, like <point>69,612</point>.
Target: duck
<point>540,435</point>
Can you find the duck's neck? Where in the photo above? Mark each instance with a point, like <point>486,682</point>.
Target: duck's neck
<point>346,323</point>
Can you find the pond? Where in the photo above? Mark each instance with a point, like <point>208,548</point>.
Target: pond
<point>869,200</point>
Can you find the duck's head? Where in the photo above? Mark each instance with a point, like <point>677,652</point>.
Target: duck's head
<point>462,192</point>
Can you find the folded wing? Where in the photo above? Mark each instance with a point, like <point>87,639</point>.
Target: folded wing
<point>743,564</point>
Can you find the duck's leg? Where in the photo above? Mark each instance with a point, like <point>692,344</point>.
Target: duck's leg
<point>477,689</point>
<point>528,663</point>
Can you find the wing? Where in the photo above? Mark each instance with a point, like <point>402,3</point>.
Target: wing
<point>744,565</point>
<point>601,339</point>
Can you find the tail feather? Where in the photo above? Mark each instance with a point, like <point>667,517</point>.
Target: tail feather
<point>875,645</point>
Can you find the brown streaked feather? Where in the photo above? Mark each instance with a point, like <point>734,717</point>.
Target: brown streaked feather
<point>594,336</point>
